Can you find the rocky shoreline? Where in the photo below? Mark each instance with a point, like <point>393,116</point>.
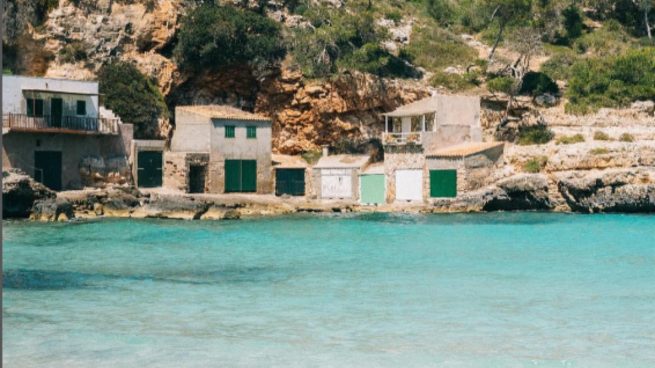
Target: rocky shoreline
<point>623,190</point>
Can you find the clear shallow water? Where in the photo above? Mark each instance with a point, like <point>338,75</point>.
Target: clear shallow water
<point>490,290</point>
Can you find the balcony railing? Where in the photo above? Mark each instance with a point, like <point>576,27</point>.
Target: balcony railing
<point>403,138</point>
<point>48,123</point>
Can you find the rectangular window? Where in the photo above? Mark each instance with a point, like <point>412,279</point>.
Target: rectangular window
<point>251,132</point>
<point>229,131</point>
<point>34,107</point>
<point>81,107</point>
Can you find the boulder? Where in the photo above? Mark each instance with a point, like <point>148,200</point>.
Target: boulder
<point>52,209</point>
<point>520,192</point>
<point>19,192</point>
<point>620,190</point>
<point>172,207</point>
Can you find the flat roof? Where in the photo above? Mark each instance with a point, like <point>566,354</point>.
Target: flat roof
<point>424,106</point>
<point>60,91</point>
<point>342,162</point>
<point>463,150</point>
<point>222,112</point>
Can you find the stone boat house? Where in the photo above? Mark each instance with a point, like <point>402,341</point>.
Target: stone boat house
<point>219,149</point>
<point>429,149</point>
<point>56,131</point>
<point>337,176</point>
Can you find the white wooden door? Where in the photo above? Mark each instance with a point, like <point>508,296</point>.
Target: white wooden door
<point>409,185</point>
<point>336,183</point>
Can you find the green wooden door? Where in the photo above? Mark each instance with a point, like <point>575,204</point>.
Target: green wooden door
<point>372,189</point>
<point>47,168</point>
<point>240,176</point>
<point>290,182</point>
<point>443,183</point>
<point>56,111</point>
<point>149,167</point>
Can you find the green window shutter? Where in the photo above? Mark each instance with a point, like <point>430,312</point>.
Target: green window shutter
<point>81,107</point>
<point>232,175</point>
<point>30,107</point>
<point>249,175</point>
<point>443,183</point>
<point>229,131</point>
<point>38,107</point>
<point>251,132</point>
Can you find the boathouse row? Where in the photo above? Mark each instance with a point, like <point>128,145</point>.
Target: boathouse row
<point>56,131</point>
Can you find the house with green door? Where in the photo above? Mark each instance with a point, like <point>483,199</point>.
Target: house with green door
<point>219,149</point>
<point>57,131</point>
<point>429,147</point>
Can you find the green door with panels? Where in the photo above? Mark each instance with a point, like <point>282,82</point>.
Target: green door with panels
<point>290,182</point>
<point>372,189</point>
<point>149,167</point>
<point>443,183</point>
<point>240,175</point>
<point>47,168</point>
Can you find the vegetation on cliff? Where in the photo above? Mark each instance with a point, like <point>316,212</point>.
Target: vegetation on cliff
<point>133,96</point>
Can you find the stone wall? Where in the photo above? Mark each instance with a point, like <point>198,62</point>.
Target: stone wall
<point>403,157</point>
<point>177,166</point>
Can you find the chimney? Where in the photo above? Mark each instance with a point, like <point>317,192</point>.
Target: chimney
<point>326,150</point>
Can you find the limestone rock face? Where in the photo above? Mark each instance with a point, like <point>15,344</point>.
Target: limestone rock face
<point>520,192</point>
<point>620,190</point>
<point>20,192</point>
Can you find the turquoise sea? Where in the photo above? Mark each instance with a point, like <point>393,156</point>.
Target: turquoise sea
<point>478,290</point>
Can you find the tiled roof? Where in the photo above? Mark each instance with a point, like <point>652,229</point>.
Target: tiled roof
<point>463,150</point>
<point>288,162</point>
<point>222,112</point>
<point>426,105</point>
<point>342,162</point>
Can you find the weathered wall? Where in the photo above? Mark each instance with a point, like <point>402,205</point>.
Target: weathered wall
<point>317,180</point>
<point>240,148</point>
<point>192,132</point>
<point>177,166</point>
<point>87,160</point>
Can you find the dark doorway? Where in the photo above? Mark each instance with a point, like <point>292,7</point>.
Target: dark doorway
<point>290,182</point>
<point>197,175</point>
<point>56,111</point>
<point>149,167</point>
<point>47,168</point>
<point>240,176</point>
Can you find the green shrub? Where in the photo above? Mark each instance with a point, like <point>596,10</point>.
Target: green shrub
<point>573,24</point>
<point>311,157</point>
<point>435,49</point>
<point>535,164</point>
<point>601,136</point>
<point>372,58</point>
<point>455,82</point>
<point>501,85</point>
<point>131,95</point>
<point>560,63</point>
<point>73,52</point>
<point>599,151</point>
<point>441,10</point>
<point>535,134</point>
<point>612,81</point>
<point>394,16</point>
<point>537,83</point>
<point>212,37</point>
<point>626,137</point>
<point>570,139</point>
<point>609,40</point>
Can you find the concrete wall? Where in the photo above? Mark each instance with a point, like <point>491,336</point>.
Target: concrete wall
<point>82,155</point>
<point>458,110</point>
<point>177,166</point>
<point>192,132</point>
<point>240,148</point>
<point>14,99</point>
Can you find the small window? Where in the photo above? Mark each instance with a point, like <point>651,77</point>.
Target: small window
<point>251,132</point>
<point>81,107</point>
<point>229,131</point>
<point>35,107</point>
